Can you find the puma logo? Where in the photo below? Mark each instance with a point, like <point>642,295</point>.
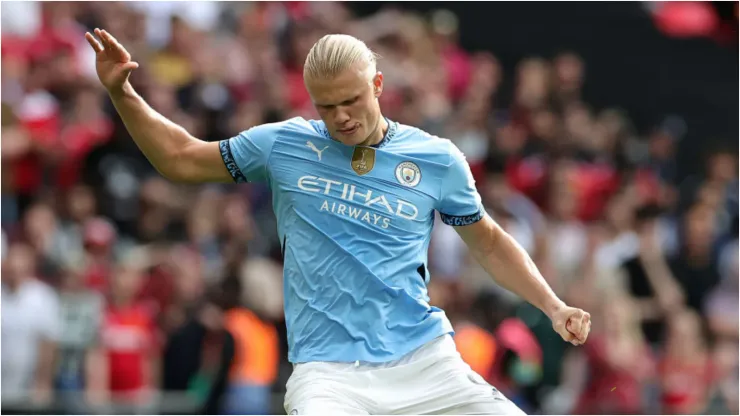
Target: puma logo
<point>313,147</point>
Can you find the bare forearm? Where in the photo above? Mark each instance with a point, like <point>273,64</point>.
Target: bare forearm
<point>159,139</point>
<point>648,309</point>
<point>97,371</point>
<point>154,373</point>
<point>45,368</point>
<point>512,268</point>
<point>507,262</point>
<point>659,276</point>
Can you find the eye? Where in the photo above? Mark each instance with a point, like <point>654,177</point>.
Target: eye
<point>351,101</point>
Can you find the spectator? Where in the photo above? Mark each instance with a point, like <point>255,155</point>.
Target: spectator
<point>567,239</point>
<point>30,329</point>
<point>518,363</point>
<point>722,302</point>
<point>619,362</point>
<point>41,230</point>
<point>569,77</point>
<point>184,267</point>
<point>98,239</point>
<point>649,279</point>
<point>693,266</point>
<point>249,318</point>
<point>129,336</point>
<point>198,355</point>
<point>81,363</point>
<point>686,370</point>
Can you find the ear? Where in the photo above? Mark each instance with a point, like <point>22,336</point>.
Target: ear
<point>378,84</point>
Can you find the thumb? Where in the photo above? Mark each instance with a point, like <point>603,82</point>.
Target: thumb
<point>130,66</point>
<point>567,335</point>
<point>572,326</point>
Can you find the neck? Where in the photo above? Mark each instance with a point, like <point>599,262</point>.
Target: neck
<point>378,134</point>
<point>698,256</point>
<point>12,284</point>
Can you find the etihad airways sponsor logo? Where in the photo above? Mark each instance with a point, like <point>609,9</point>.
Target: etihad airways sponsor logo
<point>380,203</point>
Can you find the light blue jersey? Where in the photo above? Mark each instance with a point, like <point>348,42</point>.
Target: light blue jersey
<point>355,224</point>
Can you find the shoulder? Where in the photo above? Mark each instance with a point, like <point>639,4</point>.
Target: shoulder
<point>276,129</point>
<point>42,292</point>
<point>426,145</point>
<point>299,125</point>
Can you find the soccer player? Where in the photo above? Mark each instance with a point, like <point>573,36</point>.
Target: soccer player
<point>355,196</point>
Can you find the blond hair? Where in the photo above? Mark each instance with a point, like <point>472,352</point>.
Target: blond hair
<point>333,54</point>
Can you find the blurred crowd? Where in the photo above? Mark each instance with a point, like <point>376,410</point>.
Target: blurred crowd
<point>122,289</point>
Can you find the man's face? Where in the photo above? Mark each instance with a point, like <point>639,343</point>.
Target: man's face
<point>126,282</point>
<point>348,104</point>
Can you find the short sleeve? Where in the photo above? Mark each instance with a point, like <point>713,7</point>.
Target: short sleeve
<point>246,154</point>
<point>459,203</point>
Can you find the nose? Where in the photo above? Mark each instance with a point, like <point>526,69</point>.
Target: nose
<point>341,117</point>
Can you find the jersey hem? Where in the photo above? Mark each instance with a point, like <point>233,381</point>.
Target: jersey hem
<point>446,329</point>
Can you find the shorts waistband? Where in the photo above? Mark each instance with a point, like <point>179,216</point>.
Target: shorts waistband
<point>440,346</point>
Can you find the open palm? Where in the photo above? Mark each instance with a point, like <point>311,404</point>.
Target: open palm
<point>113,62</point>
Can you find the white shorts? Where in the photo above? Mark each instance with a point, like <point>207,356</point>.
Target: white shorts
<point>430,380</point>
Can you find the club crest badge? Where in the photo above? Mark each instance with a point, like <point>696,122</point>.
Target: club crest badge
<point>363,160</point>
<point>408,174</point>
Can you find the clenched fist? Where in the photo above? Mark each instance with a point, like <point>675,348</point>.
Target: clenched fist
<point>572,324</point>
<point>113,63</point>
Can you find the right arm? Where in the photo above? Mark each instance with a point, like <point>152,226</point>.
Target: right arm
<point>96,376</point>
<point>668,295</point>
<point>176,154</point>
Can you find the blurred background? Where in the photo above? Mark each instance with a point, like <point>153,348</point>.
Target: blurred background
<point>603,137</point>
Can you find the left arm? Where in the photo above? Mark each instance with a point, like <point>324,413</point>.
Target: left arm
<point>507,262</point>
<point>460,206</point>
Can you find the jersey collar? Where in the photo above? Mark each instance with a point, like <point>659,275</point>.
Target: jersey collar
<point>389,134</point>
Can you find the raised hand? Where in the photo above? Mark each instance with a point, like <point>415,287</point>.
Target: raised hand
<point>113,62</point>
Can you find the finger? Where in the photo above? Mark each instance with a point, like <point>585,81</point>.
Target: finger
<point>588,331</point>
<point>130,66</point>
<point>573,325</point>
<point>97,47</point>
<point>105,35</point>
<point>567,336</point>
<point>585,326</point>
<point>103,39</point>
<point>116,46</point>
<point>110,38</point>
<point>99,34</point>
